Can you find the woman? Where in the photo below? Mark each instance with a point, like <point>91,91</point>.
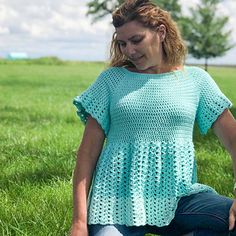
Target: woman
<point>145,106</point>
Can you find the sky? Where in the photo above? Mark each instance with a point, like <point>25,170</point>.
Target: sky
<point>61,28</point>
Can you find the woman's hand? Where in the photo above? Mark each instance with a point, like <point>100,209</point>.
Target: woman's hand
<point>79,229</point>
<point>232,215</point>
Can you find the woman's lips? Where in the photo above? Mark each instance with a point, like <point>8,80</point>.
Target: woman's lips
<point>136,59</point>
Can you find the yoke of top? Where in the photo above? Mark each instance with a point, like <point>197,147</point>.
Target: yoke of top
<point>148,161</point>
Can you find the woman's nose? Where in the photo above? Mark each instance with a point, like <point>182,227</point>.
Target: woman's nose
<point>130,50</point>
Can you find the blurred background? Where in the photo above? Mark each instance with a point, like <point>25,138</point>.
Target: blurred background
<point>63,29</point>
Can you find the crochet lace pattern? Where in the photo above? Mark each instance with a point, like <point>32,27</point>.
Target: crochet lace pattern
<point>147,162</point>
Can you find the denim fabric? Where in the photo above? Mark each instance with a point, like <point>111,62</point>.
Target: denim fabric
<point>203,214</point>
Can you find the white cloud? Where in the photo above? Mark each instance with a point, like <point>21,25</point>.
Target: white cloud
<point>6,13</point>
<point>4,30</point>
<point>35,30</point>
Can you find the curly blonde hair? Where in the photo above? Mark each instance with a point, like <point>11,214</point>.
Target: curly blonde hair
<point>151,16</point>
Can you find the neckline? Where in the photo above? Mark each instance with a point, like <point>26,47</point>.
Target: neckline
<point>174,73</point>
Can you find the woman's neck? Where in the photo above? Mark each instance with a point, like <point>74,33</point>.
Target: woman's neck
<point>156,69</point>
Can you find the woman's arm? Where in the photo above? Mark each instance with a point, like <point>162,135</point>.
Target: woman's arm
<point>87,156</point>
<point>225,129</point>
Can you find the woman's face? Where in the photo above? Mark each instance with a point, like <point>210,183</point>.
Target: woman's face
<point>141,45</point>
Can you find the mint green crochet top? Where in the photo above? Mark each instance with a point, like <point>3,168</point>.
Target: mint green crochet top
<point>147,162</point>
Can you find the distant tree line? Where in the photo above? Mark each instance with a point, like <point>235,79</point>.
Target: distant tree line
<point>204,31</point>
<point>50,60</point>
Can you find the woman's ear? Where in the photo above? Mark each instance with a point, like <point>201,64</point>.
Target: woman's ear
<point>162,32</point>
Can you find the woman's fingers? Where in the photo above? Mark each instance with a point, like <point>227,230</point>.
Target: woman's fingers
<point>232,215</point>
<point>231,221</point>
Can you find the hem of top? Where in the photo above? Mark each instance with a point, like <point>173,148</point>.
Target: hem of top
<point>171,216</point>
<point>227,105</point>
<point>86,112</point>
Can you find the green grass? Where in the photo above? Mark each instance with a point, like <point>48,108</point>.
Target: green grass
<point>39,135</point>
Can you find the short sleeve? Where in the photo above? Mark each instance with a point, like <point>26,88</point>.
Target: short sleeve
<point>95,101</point>
<point>212,102</point>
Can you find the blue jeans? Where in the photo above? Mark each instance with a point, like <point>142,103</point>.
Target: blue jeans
<point>203,214</point>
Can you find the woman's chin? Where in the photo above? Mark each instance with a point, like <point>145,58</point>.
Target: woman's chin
<point>141,67</point>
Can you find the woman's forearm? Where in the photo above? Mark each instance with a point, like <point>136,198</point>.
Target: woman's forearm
<point>82,178</point>
<point>225,129</point>
<point>87,156</point>
<point>232,151</point>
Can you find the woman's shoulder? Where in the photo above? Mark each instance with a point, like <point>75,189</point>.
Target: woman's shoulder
<point>112,76</point>
<point>196,70</point>
<point>112,73</point>
<point>114,70</point>
<point>198,74</point>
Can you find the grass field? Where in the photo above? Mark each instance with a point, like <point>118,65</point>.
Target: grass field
<point>39,135</point>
